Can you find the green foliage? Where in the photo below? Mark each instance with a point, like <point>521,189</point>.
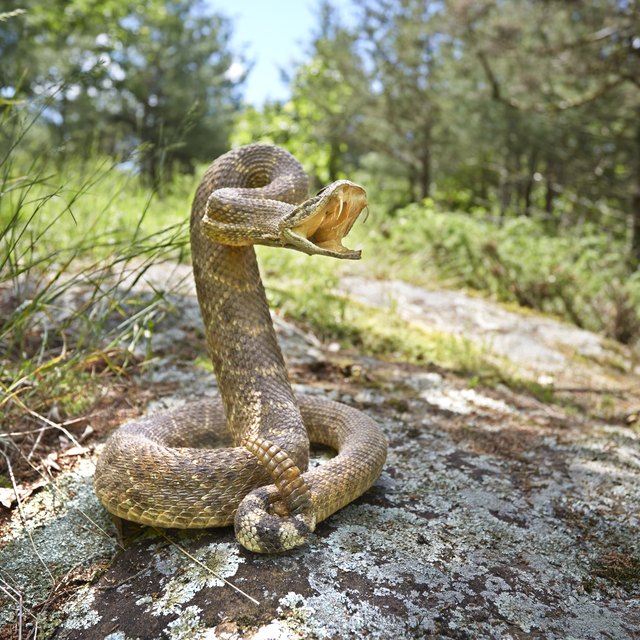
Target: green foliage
<point>577,275</point>
<point>328,91</point>
<point>119,77</point>
<point>520,108</point>
<point>73,245</point>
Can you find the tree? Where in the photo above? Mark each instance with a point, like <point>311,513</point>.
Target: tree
<point>122,75</point>
<point>174,91</point>
<point>330,91</point>
<point>321,121</point>
<point>576,64</point>
<point>404,49</point>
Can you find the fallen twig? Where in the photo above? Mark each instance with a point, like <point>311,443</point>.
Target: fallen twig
<point>204,566</point>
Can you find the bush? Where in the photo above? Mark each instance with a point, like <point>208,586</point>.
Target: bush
<point>579,276</point>
<point>75,237</point>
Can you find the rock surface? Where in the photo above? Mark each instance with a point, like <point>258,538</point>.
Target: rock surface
<point>497,516</point>
<point>537,344</point>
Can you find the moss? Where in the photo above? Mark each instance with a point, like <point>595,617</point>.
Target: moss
<point>541,392</point>
<point>76,391</point>
<point>203,363</point>
<point>377,332</point>
<point>621,568</point>
<point>67,388</point>
<point>398,404</point>
<point>608,359</point>
<point>607,405</point>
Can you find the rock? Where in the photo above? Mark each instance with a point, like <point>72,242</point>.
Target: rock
<point>369,396</point>
<point>481,526</point>
<point>535,343</point>
<point>493,518</point>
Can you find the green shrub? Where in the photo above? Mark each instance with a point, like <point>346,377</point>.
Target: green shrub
<point>578,275</point>
<point>74,238</point>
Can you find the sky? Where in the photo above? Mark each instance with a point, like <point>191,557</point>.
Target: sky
<point>273,34</point>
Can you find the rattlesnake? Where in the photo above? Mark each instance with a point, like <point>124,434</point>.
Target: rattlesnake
<point>161,470</point>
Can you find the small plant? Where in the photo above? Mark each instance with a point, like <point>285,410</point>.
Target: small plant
<point>576,275</point>
<point>75,240</point>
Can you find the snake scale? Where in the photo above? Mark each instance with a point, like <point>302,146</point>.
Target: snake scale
<point>243,459</point>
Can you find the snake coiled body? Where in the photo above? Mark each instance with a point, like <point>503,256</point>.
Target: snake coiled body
<point>162,470</point>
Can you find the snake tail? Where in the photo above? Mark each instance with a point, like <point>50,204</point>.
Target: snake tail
<point>278,517</point>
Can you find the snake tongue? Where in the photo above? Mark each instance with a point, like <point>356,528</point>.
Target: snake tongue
<point>330,219</point>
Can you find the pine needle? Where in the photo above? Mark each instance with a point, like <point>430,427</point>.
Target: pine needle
<point>23,517</point>
<point>205,567</point>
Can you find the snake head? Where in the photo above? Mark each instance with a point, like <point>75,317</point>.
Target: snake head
<point>318,225</point>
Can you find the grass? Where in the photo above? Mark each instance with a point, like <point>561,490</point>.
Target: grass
<point>75,240</point>
<point>576,274</point>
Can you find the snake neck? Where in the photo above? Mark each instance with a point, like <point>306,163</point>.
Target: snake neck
<point>247,360</point>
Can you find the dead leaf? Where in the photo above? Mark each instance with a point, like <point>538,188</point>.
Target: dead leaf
<point>50,462</point>
<point>8,496</point>
<point>74,451</point>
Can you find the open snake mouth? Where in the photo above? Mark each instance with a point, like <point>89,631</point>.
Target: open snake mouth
<point>333,213</point>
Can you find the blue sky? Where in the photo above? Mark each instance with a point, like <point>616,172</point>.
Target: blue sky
<point>272,34</point>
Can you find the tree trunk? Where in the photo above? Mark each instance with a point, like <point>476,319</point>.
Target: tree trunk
<point>411,184</point>
<point>635,204</point>
<point>334,161</point>
<point>530,182</point>
<point>425,171</point>
<point>526,196</point>
<point>504,190</point>
<point>550,190</point>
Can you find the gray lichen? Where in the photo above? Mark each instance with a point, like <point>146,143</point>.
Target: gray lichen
<point>186,626</point>
<point>185,578</point>
<point>68,530</point>
<point>491,520</point>
<point>78,613</point>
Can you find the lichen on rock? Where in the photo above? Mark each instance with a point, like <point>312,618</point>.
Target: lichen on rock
<point>496,517</point>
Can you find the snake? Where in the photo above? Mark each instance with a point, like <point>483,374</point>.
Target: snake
<point>243,458</point>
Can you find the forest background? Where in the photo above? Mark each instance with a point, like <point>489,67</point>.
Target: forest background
<point>499,143</point>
